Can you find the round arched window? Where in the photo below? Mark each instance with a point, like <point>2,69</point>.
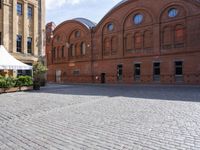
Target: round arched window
<point>138,18</point>
<point>110,27</point>
<point>77,34</point>
<point>172,12</point>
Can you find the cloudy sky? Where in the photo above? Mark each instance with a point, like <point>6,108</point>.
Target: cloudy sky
<point>61,10</point>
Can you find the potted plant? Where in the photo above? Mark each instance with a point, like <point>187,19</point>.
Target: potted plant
<point>38,74</point>
<point>24,83</point>
<point>10,85</point>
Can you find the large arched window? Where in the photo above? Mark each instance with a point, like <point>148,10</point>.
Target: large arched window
<point>148,39</point>
<point>58,52</point>
<point>138,40</point>
<point>129,42</point>
<point>77,50</point>
<point>63,51</point>
<point>167,38</point>
<point>72,48</point>
<point>114,44</point>
<point>107,46</point>
<point>83,48</point>
<point>179,36</point>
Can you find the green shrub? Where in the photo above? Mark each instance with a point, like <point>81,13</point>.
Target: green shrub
<point>15,82</point>
<point>2,83</point>
<point>10,82</point>
<point>7,82</point>
<point>24,81</point>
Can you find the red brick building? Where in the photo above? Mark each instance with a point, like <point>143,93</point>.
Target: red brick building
<point>135,42</point>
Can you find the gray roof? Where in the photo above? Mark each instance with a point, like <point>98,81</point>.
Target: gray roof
<point>118,4</point>
<point>123,1</point>
<point>89,24</point>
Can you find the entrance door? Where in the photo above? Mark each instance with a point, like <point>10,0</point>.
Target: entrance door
<point>58,76</point>
<point>103,78</point>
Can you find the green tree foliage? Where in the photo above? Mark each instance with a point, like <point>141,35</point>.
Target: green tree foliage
<point>38,70</point>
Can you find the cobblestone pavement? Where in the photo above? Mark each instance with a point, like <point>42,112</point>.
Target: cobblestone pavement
<point>97,117</point>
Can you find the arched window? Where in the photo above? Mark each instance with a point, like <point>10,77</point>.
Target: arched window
<point>179,36</point>
<point>148,39</point>
<point>54,53</point>
<point>114,44</point>
<point>129,42</point>
<point>138,40</point>
<point>58,52</point>
<point>83,48</point>
<point>77,50</point>
<point>167,38</point>
<point>107,46</point>
<point>73,53</point>
<point>63,51</point>
<point>77,34</point>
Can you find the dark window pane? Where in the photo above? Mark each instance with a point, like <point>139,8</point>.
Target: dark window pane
<point>137,69</point>
<point>19,8</point>
<point>156,68</point>
<point>179,68</point>
<point>30,12</point>
<point>19,43</point>
<point>119,72</point>
<point>29,44</point>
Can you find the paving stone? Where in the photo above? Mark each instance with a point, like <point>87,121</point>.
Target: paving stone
<point>101,117</point>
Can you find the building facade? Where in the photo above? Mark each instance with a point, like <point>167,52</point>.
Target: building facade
<point>135,42</point>
<point>22,28</point>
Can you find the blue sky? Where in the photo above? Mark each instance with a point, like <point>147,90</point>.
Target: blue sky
<point>61,10</point>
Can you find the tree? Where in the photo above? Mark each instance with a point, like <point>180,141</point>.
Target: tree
<point>39,71</point>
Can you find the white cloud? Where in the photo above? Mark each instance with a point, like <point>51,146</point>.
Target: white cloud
<point>50,4</point>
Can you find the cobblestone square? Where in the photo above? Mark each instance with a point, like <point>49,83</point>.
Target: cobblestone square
<point>101,117</point>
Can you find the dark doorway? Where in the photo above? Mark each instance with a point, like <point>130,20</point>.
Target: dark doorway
<point>103,78</point>
<point>119,72</point>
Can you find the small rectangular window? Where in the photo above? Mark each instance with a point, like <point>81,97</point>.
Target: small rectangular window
<point>119,72</point>
<point>137,71</point>
<point>156,71</point>
<point>30,12</point>
<point>179,71</point>
<point>19,9</point>
<point>19,43</point>
<point>29,45</point>
<point>76,72</point>
<point>0,4</point>
<point>179,67</point>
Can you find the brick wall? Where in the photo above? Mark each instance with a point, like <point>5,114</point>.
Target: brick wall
<point>136,33</point>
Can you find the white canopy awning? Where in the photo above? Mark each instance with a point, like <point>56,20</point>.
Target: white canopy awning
<point>8,62</point>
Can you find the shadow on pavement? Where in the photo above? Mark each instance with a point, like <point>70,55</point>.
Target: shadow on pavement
<point>161,92</point>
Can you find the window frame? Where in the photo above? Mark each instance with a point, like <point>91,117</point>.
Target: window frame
<point>110,27</point>
<point>30,13</point>
<point>137,77</point>
<point>138,18</point>
<point>119,72</point>
<point>19,9</point>
<point>172,12</point>
<point>19,43</point>
<point>29,45</point>
<point>156,76</point>
<point>179,77</point>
